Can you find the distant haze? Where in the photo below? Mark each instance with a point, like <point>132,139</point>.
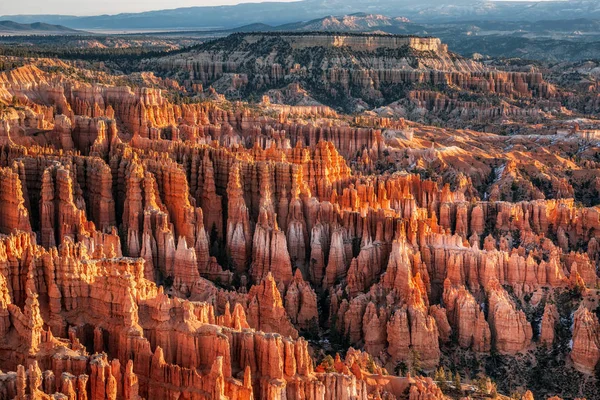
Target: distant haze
<point>96,7</point>
<point>127,15</point>
<point>111,7</point>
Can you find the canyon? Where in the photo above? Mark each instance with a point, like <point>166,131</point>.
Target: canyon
<point>217,225</point>
<point>416,78</point>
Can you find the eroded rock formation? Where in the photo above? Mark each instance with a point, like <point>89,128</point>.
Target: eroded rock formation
<point>154,248</point>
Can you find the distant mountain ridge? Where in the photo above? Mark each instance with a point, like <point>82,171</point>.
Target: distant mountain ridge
<point>276,13</point>
<point>358,22</point>
<point>36,27</point>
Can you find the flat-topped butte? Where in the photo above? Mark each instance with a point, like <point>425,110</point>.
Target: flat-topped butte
<point>366,42</point>
<point>359,42</point>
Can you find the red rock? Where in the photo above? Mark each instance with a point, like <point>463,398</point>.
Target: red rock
<point>467,318</point>
<point>28,323</point>
<point>13,213</point>
<point>511,332</point>
<point>338,261</point>
<point>398,335</point>
<point>402,260</point>
<point>270,253</point>
<point>549,320</point>
<point>239,231</point>
<point>585,351</point>
<point>439,314</point>
<point>301,303</point>
<point>423,333</point>
<point>375,329</point>
<point>5,300</point>
<point>266,311</point>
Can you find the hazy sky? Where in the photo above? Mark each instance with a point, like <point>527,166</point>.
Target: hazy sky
<point>95,7</point>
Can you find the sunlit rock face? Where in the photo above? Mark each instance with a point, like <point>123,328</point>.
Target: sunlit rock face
<point>152,247</point>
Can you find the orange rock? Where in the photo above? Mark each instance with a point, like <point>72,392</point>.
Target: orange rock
<point>285,198</point>
<point>270,253</point>
<point>585,351</point>
<point>423,333</point>
<point>511,332</point>
<point>441,319</point>
<point>549,320</point>
<point>13,213</point>
<point>239,231</point>
<point>398,335</point>
<point>266,311</point>
<point>301,303</point>
<point>375,329</point>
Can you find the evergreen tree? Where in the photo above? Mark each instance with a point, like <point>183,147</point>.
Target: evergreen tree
<point>441,379</point>
<point>456,381</point>
<point>414,359</point>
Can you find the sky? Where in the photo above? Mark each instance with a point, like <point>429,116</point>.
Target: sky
<point>95,7</point>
